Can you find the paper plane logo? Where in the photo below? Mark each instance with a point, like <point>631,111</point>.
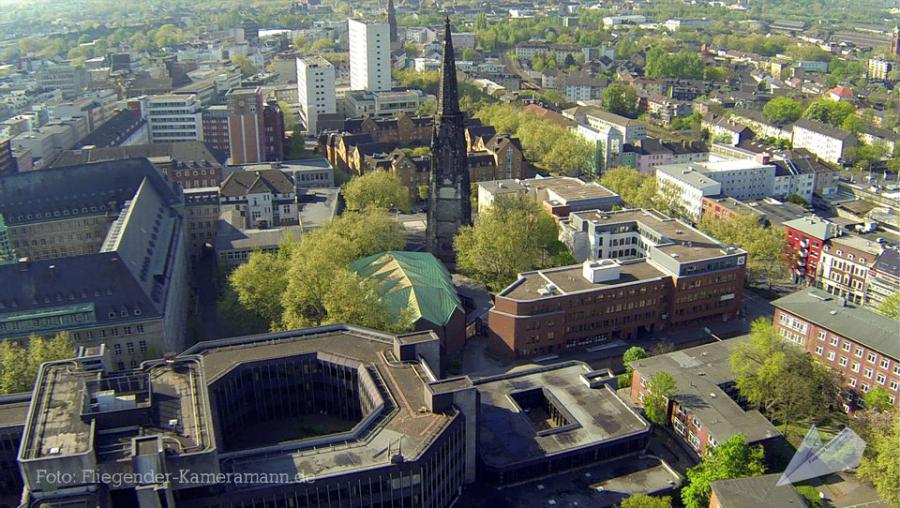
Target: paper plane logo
<point>813,459</point>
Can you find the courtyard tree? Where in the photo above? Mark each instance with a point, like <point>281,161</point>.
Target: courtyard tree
<point>656,405</point>
<point>732,458</point>
<point>377,189</point>
<point>19,364</point>
<point>513,236</point>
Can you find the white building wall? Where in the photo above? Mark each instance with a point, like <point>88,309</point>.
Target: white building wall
<point>315,90</point>
<point>370,58</point>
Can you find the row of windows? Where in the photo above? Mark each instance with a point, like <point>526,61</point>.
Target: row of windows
<point>102,333</point>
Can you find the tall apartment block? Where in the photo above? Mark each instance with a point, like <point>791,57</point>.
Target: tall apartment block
<point>370,55</point>
<point>245,125</point>
<point>315,90</point>
<point>174,118</point>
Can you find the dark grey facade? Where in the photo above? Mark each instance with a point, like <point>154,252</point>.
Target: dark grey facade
<point>449,206</point>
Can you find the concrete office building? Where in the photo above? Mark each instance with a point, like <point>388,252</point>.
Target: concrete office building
<point>572,411</point>
<point>106,258</point>
<point>244,406</point>
<point>245,125</point>
<point>13,409</point>
<point>365,415</point>
<point>643,272</point>
<point>215,127</point>
<point>174,118</point>
<point>315,91</point>
<point>370,55</point>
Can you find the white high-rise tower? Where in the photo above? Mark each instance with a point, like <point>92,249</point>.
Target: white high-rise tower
<point>370,55</point>
<point>315,90</point>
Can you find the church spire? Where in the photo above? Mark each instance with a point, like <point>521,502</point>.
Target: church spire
<point>448,96</point>
<point>449,204</point>
<point>392,20</point>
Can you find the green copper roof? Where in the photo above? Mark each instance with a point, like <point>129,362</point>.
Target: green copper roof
<point>411,280</point>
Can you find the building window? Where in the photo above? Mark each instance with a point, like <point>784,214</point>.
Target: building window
<point>130,347</point>
<point>872,357</point>
<point>117,348</point>
<point>694,441</point>
<point>867,373</point>
<point>885,363</point>
<point>833,341</point>
<point>855,367</point>
<point>142,345</point>
<point>880,378</point>
<point>858,353</point>
<point>819,350</point>
<point>846,346</point>
<point>679,427</point>
<point>820,335</point>
<point>853,382</point>
<point>865,388</point>
<point>894,385</point>
<point>843,361</point>
<point>830,356</point>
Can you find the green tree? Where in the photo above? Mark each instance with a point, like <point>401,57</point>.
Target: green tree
<point>764,246</point>
<point>811,495</point>
<point>258,289</point>
<point>350,299</point>
<point>621,99</point>
<point>645,501</point>
<point>244,64</point>
<point>656,405</point>
<point>881,462</point>
<point>890,307</point>
<point>515,235</point>
<point>295,146</point>
<point>829,111</point>
<point>19,364</point>
<point>297,287</point>
<point>321,45</point>
<point>632,354</point>
<point>377,189</point>
<point>637,190</point>
<point>782,109</point>
<point>877,399</point>
<point>681,64</point>
<point>732,458</point>
<point>468,55</point>
<point>781,378</point>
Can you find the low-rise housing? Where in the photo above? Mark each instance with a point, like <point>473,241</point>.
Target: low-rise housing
<point>705,408</point>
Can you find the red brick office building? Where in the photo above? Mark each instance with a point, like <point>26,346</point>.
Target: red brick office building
<point>643,272</point>
<point>858,343</point>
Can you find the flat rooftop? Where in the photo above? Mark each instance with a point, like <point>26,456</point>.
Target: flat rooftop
<point>507,435</point>
<point>678,238</point>
<point>700,374</point>
<point>688,172</point>
<point>859,243</point>
<point>14,410</point>
<point>569,279</point>
<point>860,324</point>
<point>64,414</point>
<point>405,384</point>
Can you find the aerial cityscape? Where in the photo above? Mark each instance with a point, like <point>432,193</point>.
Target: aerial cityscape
<point>450,253</point>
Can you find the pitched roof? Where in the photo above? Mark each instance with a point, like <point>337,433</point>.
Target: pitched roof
<point>824,129</point>
<point>67,190</point>
<point>860,324</point>
<point>757,491</point>
<point>411,280</point>
<point>190,153</point>
<point>115,130</point>
<point>241,183</point>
